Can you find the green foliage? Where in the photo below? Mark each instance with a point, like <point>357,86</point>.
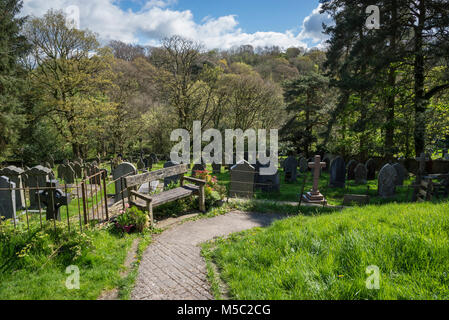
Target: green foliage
<point>326,257</point>
<point>131,219</point>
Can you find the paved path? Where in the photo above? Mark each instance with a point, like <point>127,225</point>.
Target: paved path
<point>172,267</point>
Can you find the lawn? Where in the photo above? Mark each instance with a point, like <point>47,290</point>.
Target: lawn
<point>327,256</point>
<point>290,191</point>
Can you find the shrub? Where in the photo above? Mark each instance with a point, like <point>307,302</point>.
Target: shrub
<point>132,219</point>
<point>214,192</point>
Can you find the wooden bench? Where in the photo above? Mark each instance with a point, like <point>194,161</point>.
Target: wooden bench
<point>148,202</point>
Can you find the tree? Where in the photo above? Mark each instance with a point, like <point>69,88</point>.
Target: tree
<point>73,74</point>
<point>13,47</point>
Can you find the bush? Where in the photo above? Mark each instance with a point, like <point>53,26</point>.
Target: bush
<point>132,219</point>
<point>214,192</point>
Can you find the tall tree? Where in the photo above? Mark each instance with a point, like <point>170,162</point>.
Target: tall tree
<point>13,47</point>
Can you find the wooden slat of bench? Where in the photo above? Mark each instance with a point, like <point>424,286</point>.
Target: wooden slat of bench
<point>168,196</point>
<point>160,174</point>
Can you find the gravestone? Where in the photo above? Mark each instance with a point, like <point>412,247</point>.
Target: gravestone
<point>350,170</point>
<point>78,169</point>
<point>48,165</point>
<point>303,165</point>
<point>314,195</point>
<point>154,158</point>
<point>141,164</point>
<point>53,199</point>
<point>37,177</point>
<point>67,174</point>
<point>337,173</point>
<point>216,168</point>
<point>198,167</point>
<point>171,179</point>
<point>242,180</point>
<point>122,170</point>
<point>7,198</point>
<point>290,166</point>
<point>14,174</point>
<point>387,181</point>
<point>401,174</point>
<point>328,159</point>
<point>267,183</point>
<point>371,168</point>
<point>360,174</point>
<point>66,162</point>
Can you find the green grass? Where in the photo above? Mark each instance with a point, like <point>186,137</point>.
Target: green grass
<point>326,257</point>
<point>289,192</point>
<point>44,277</point>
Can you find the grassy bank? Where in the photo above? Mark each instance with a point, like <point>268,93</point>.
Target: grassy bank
<point>326,257</point>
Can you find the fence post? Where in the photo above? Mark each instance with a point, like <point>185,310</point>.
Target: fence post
<point>83,190</point>
<point>105,195</point>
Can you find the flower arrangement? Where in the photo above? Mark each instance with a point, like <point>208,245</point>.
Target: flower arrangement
<point>213,190</point>
<point>132,219</point>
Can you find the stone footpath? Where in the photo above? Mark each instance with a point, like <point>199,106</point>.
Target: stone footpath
<point>172,267</point>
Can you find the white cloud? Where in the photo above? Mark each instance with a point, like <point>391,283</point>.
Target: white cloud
<point>156,19</point>
<point>312,27</point>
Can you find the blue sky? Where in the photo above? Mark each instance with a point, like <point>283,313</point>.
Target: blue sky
<point>217,23</point>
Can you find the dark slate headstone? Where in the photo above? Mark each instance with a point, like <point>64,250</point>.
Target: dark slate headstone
<point>242,180</point>
<point>172,179</point>
<point>7,198</point>
<point>216,168</point>
<point>267,183</point>
<point>154,158</point>
<point>140,164</point>
<point>36,177</point>
<point>78,169</point>
<point>387,181</point>
<point>53,198</point>
<point>350,170</point>
<point>371,167</point>
<point>68,174</point>
<point>401,174</point>
<point>337,173</point>
<point>122,170</point>
<point>360,174</point>
<point>290,166</point>
<point>14,174</point>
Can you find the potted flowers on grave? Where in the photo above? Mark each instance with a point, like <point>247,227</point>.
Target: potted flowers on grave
<point>131,220</point>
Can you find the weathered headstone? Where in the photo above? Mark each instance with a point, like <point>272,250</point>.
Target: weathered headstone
<point>371,167</point>
<point>314,195</point>
<point>303,165</point>
<point>172,179</point>
<point>123,170</point>
<point>37,177</point>
<point>360,174</point>
<point>387,181</point>
<point>290,169</point>
<point>401,174</point>
<point>154,158</point>
<point>242,180</point>
<point>14,174</point>
<point>140,164</point>
<point>350,170</point>
<point>67,173</point>
<point>78,169</point>
<point>328,159</point>
<point>337,173</point>
<point>7,198</point>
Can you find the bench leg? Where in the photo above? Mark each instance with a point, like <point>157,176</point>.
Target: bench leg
<point>150,213</point>
<point>202,199</point>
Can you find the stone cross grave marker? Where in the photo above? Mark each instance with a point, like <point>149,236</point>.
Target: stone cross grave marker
<point>242,180</point>
<point>7,198</point>
<point>15,175</point>
<point>53,199</point>
<point>314,195</point>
